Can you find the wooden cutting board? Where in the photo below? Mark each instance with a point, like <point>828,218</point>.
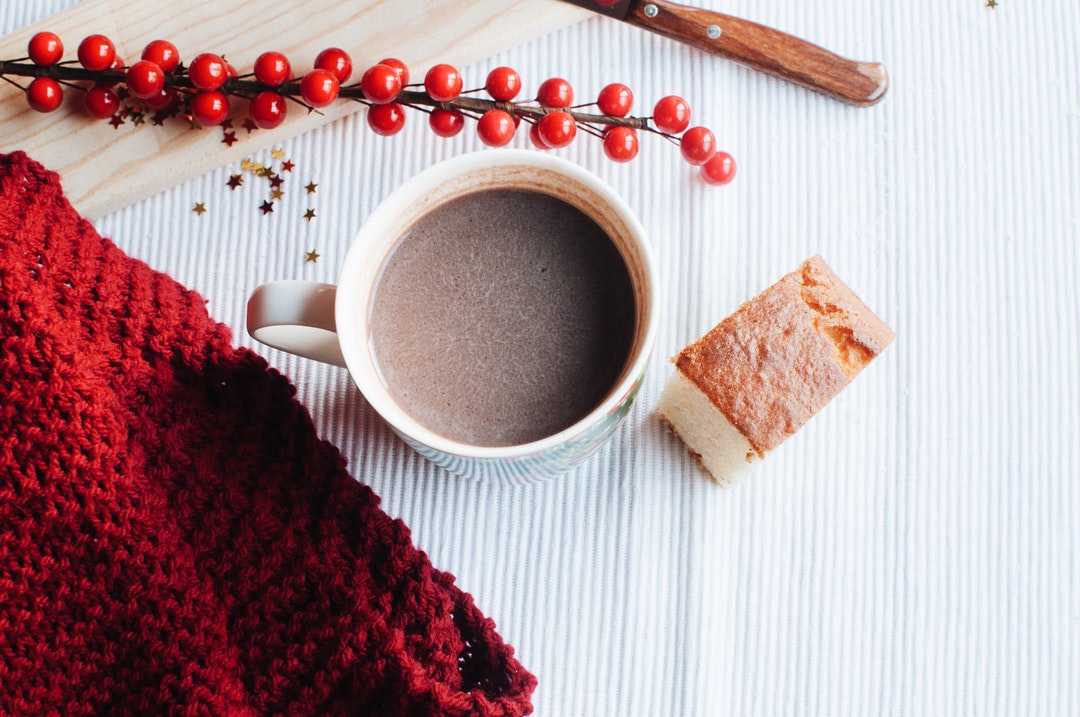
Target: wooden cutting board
<point>105,168</point>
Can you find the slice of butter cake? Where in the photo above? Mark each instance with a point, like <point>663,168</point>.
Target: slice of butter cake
<point>761,373</point>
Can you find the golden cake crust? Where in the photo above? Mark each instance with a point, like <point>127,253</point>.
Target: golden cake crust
<point>784,354</point>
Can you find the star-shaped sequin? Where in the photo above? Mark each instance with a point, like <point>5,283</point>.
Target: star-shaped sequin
<point>266,207</point>
<point>229,138</point>
<point>199,208</point>
<point>310,187</point>
<point>235,181</point>
<point>311,257</point>
<point>309,214</point>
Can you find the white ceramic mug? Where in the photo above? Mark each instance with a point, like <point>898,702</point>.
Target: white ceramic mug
<point>330,323</point>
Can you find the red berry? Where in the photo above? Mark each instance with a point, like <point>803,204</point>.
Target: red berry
<point>386,119</point>
<point>620,144</point>
<point>207,71</point>
<point>697,145</point>
<point>96,53</point>
<point>44,94</point>
<point>534,135</point>
<point>267,110</point>
<point>319,88</point>
<point>555,92</point>
<point>503,84</point>
<point>337,61</point>
<point>720,169</point>
<point>495,127</point>
<point>101,101</point>
<point>443,83</point>
<point>399,67</point>
<point>163,100</point>
<point>671,114</point>
<point>209,108</point>
<point>163,53</point>
<point>557,129</point>
<point>380,84</point>
<point>118,66</point>
<point>272,68</point>
<point>145,79</point>
<point>446,123</point>
<point>615,100</point>
<point>45,48</point>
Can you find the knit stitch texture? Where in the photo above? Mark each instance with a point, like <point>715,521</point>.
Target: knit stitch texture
<point>174,536</point>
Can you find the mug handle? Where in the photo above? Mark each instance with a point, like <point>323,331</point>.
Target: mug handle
<point>296,316</point>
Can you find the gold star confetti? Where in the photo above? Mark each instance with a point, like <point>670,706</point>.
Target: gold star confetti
<point>991,4</point>
<point>311,257</point>
<point>200,208</point>
<point>274,172</point>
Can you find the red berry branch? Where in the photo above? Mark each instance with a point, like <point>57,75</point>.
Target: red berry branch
<point>205,90</point>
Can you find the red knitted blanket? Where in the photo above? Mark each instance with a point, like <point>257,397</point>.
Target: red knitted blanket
<point>174,536</point>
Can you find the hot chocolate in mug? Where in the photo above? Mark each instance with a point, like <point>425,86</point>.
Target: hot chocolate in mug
<point>498,310</point>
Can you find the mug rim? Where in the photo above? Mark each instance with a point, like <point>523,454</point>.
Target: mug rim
<point>353,298</point>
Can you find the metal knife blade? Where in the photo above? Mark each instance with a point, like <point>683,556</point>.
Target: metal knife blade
<point>763,48</point>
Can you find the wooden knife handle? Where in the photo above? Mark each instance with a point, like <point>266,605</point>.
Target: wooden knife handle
<point>766,49</point>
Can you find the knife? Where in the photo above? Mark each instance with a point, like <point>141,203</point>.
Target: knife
<point>754,45</point>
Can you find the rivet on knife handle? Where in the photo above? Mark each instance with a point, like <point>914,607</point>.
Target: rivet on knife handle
<point>766,49</point>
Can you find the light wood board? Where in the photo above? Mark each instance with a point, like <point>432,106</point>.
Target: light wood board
<point>105,168</point>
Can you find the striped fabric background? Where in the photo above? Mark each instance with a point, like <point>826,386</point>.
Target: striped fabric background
<point>915,549</point>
